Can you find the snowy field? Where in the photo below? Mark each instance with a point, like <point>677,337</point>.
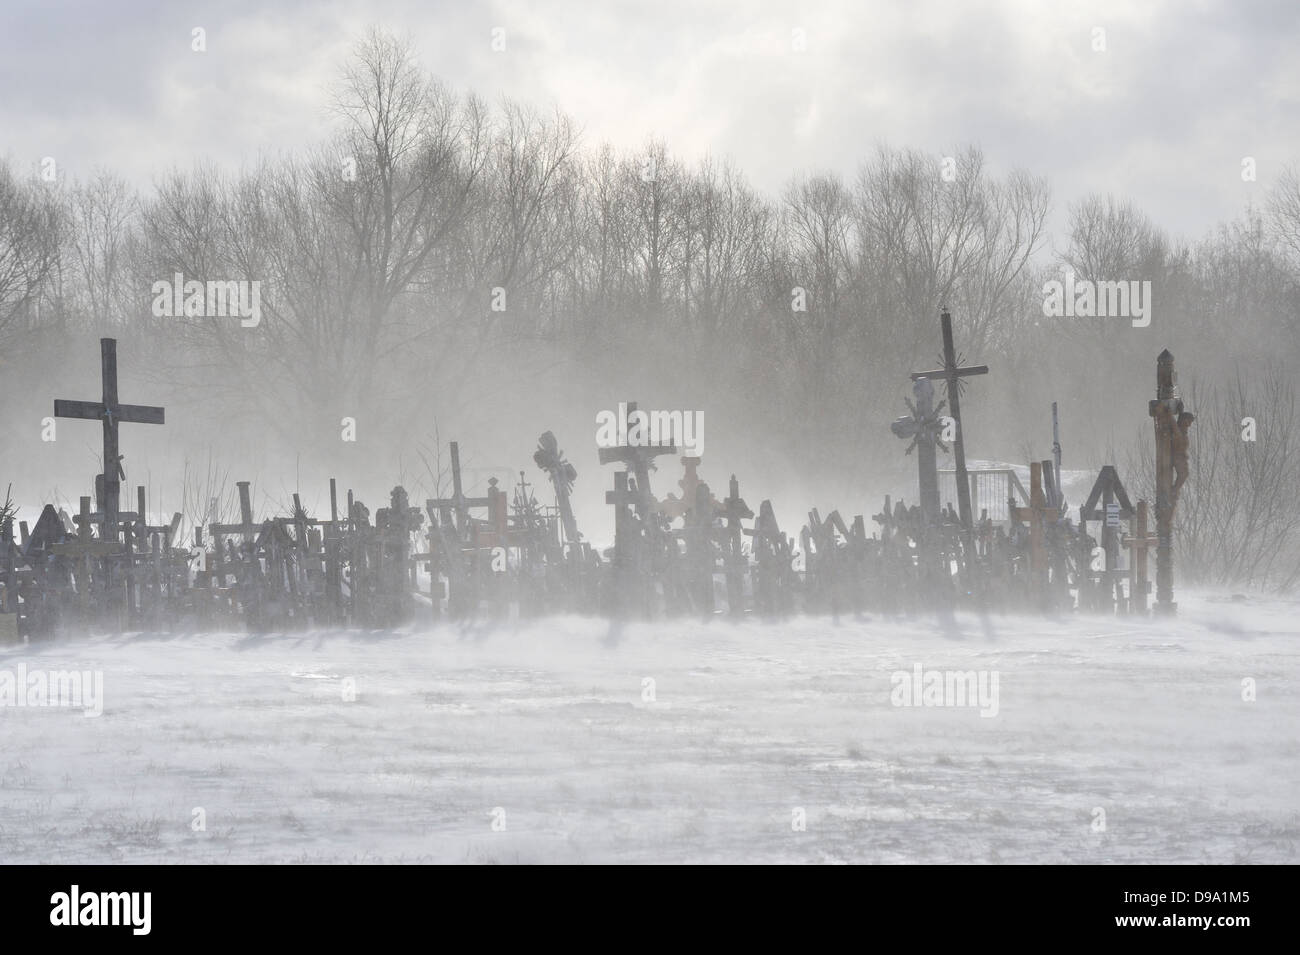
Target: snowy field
<point>546,743</point>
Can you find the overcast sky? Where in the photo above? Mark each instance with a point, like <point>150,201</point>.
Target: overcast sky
<point>1164,115</point>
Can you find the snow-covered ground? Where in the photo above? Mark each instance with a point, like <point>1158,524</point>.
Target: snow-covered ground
<point>541,743</point>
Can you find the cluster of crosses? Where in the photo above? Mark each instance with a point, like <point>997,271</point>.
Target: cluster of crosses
<point>1038,558</point>
<point>499,555</point>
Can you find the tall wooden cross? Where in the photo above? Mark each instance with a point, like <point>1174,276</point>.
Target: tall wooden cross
<point>1166,409</point>
<point>952,373</point>
<point>111,413</point>
<point>550,459</point>
<point>458,502</point>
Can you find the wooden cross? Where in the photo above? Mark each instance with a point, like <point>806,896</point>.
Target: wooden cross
<point>458,502</point>
<point>1035,516</point>
<point>84,549</point>
<point>1138,543</point>
<point>638,460</point>
<point>550,459</point>
<point>952,374</point>
<point>111,413</point>
<point>524,500</point>
<point>1109,491</point>
<point>496,532</point>
<point>246,528</point>
<point>621,498</point>
<point>676,507</point>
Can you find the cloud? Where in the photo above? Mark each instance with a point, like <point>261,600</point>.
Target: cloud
<point>1162,115</point>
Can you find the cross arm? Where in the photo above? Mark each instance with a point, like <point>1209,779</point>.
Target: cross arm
<point>139,414</point>
<point>78,409</point>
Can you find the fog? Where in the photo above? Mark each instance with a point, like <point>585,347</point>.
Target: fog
<point>436,267</point>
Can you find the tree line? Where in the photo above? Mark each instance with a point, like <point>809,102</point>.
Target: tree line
<point>435,252</point>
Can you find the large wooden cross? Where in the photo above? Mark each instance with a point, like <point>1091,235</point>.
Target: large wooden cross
<point>1166,409</point>
<point>952,373</point>
<point>111,413</point>
<point>638,459</point>
<point>458,502</point>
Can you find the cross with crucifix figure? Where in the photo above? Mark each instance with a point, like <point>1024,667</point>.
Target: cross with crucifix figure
<point>111,413</point>
<point>952,374</point>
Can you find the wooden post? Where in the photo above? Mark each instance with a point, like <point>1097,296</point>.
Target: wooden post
<point>734,558</point>
<point>626,544</point>
<point>1034,514</point>
<point>952,374</point>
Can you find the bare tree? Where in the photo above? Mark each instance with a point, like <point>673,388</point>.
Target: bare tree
<point>30,230</point>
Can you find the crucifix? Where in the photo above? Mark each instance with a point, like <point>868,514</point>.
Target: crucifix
<point>1172,421</point>
<point>952,374</point>
<point>111,413</point>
